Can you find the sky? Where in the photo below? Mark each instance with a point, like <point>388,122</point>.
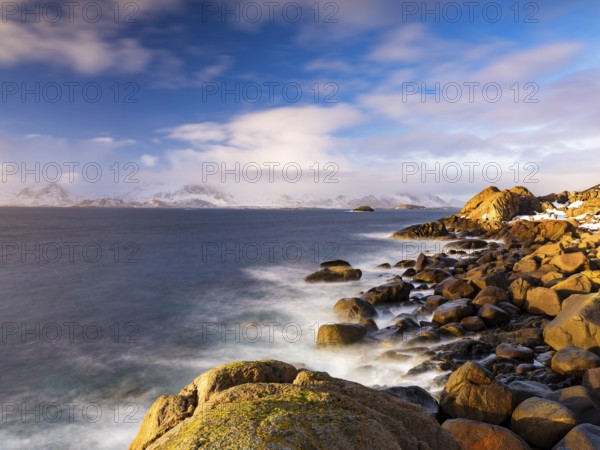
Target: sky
<point>300,98</point>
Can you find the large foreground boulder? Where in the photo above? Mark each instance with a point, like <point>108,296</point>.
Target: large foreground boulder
<point>577,324</point>
<point>473,393</point>
<point>309,410</point>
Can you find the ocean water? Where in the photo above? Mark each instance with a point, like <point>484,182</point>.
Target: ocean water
<point>103,310</point>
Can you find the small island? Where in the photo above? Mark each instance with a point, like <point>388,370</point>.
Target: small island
<point>363,209</point>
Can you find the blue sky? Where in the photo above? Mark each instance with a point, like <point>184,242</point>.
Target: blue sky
<point>359,67</point>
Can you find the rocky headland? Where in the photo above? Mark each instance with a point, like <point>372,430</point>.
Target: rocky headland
<point>510,320</point>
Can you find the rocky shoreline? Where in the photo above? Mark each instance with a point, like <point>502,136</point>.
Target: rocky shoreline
<point>513,321</point>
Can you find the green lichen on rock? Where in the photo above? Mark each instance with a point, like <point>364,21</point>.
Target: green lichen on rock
<point>312,411</point>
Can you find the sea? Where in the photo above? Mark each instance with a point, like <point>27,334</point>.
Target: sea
<point>103,310</point>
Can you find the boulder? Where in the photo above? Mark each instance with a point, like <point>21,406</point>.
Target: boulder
<point>466,244</point>
<point>527,265</point>
<point>473,435</point>
<point>525,389</point>
<point>591,379</point>
<point>571,262</point>
<point>432,275</point>
<point>577,324</point>
<point>423,231</point>
<point>384,266</point>
<point>473,393</point>
<point>353,310</point>
<point>389,293</point>
<point>416,395</point>
<point>335,263</point>
<point>313,410</point>
<point>518,290</point>
<point>552,249</point>
<point>583,437</point>
<point>453,311</point>
<point>170,410</point>
<point>491,207</point>
<point>491,294</point>
<point>581,401</point>
<point>492,315</point>
<point>539,231</point>
<point>473,323</point>
<point>575,284</point>
<point>510,351</point>
<point>334,274</point>
<point>454,288</point>
<point>541,300</point>
<point>434,301</point>
<point>340,334</point>
<point>421,262</point>
<point>541,422</point>
<point>574,361</point>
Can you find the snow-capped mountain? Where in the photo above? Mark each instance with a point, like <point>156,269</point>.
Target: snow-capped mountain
<point>51,195</point>
<point>197,196</point>
<point>343,202</point>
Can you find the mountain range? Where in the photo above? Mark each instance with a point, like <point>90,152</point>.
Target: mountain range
<point>197,196</point>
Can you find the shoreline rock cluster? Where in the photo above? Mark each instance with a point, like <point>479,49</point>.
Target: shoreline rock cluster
<point>513,322</point>
<point>515,315</point>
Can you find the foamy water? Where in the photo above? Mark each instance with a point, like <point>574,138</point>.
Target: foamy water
<point>191,312</point>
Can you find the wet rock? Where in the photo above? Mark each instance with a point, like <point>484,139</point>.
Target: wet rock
<point>423,231</point>
<point>389,293</point>
<point>454,288</point>
<point>453,311</point>
<point>354,310</point>
<point>525,389</point>
<point>405,263</point>
<point>416,395</point>
<point>434,301</point>
<point>335,263</point>
<point>519,352</point>
<point>473,393</point>
<point>432,275</point>
<point>384,266</point>
<point>473,323</point>
<point>340,334</point>
<point>490,294</point>
<point>422,262</point>
<point>406,324</point>
<point>332,274</point>
<point>492,315</point>
<point>541,422</point>
<point>467,244</point>
<point>451,330</point>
